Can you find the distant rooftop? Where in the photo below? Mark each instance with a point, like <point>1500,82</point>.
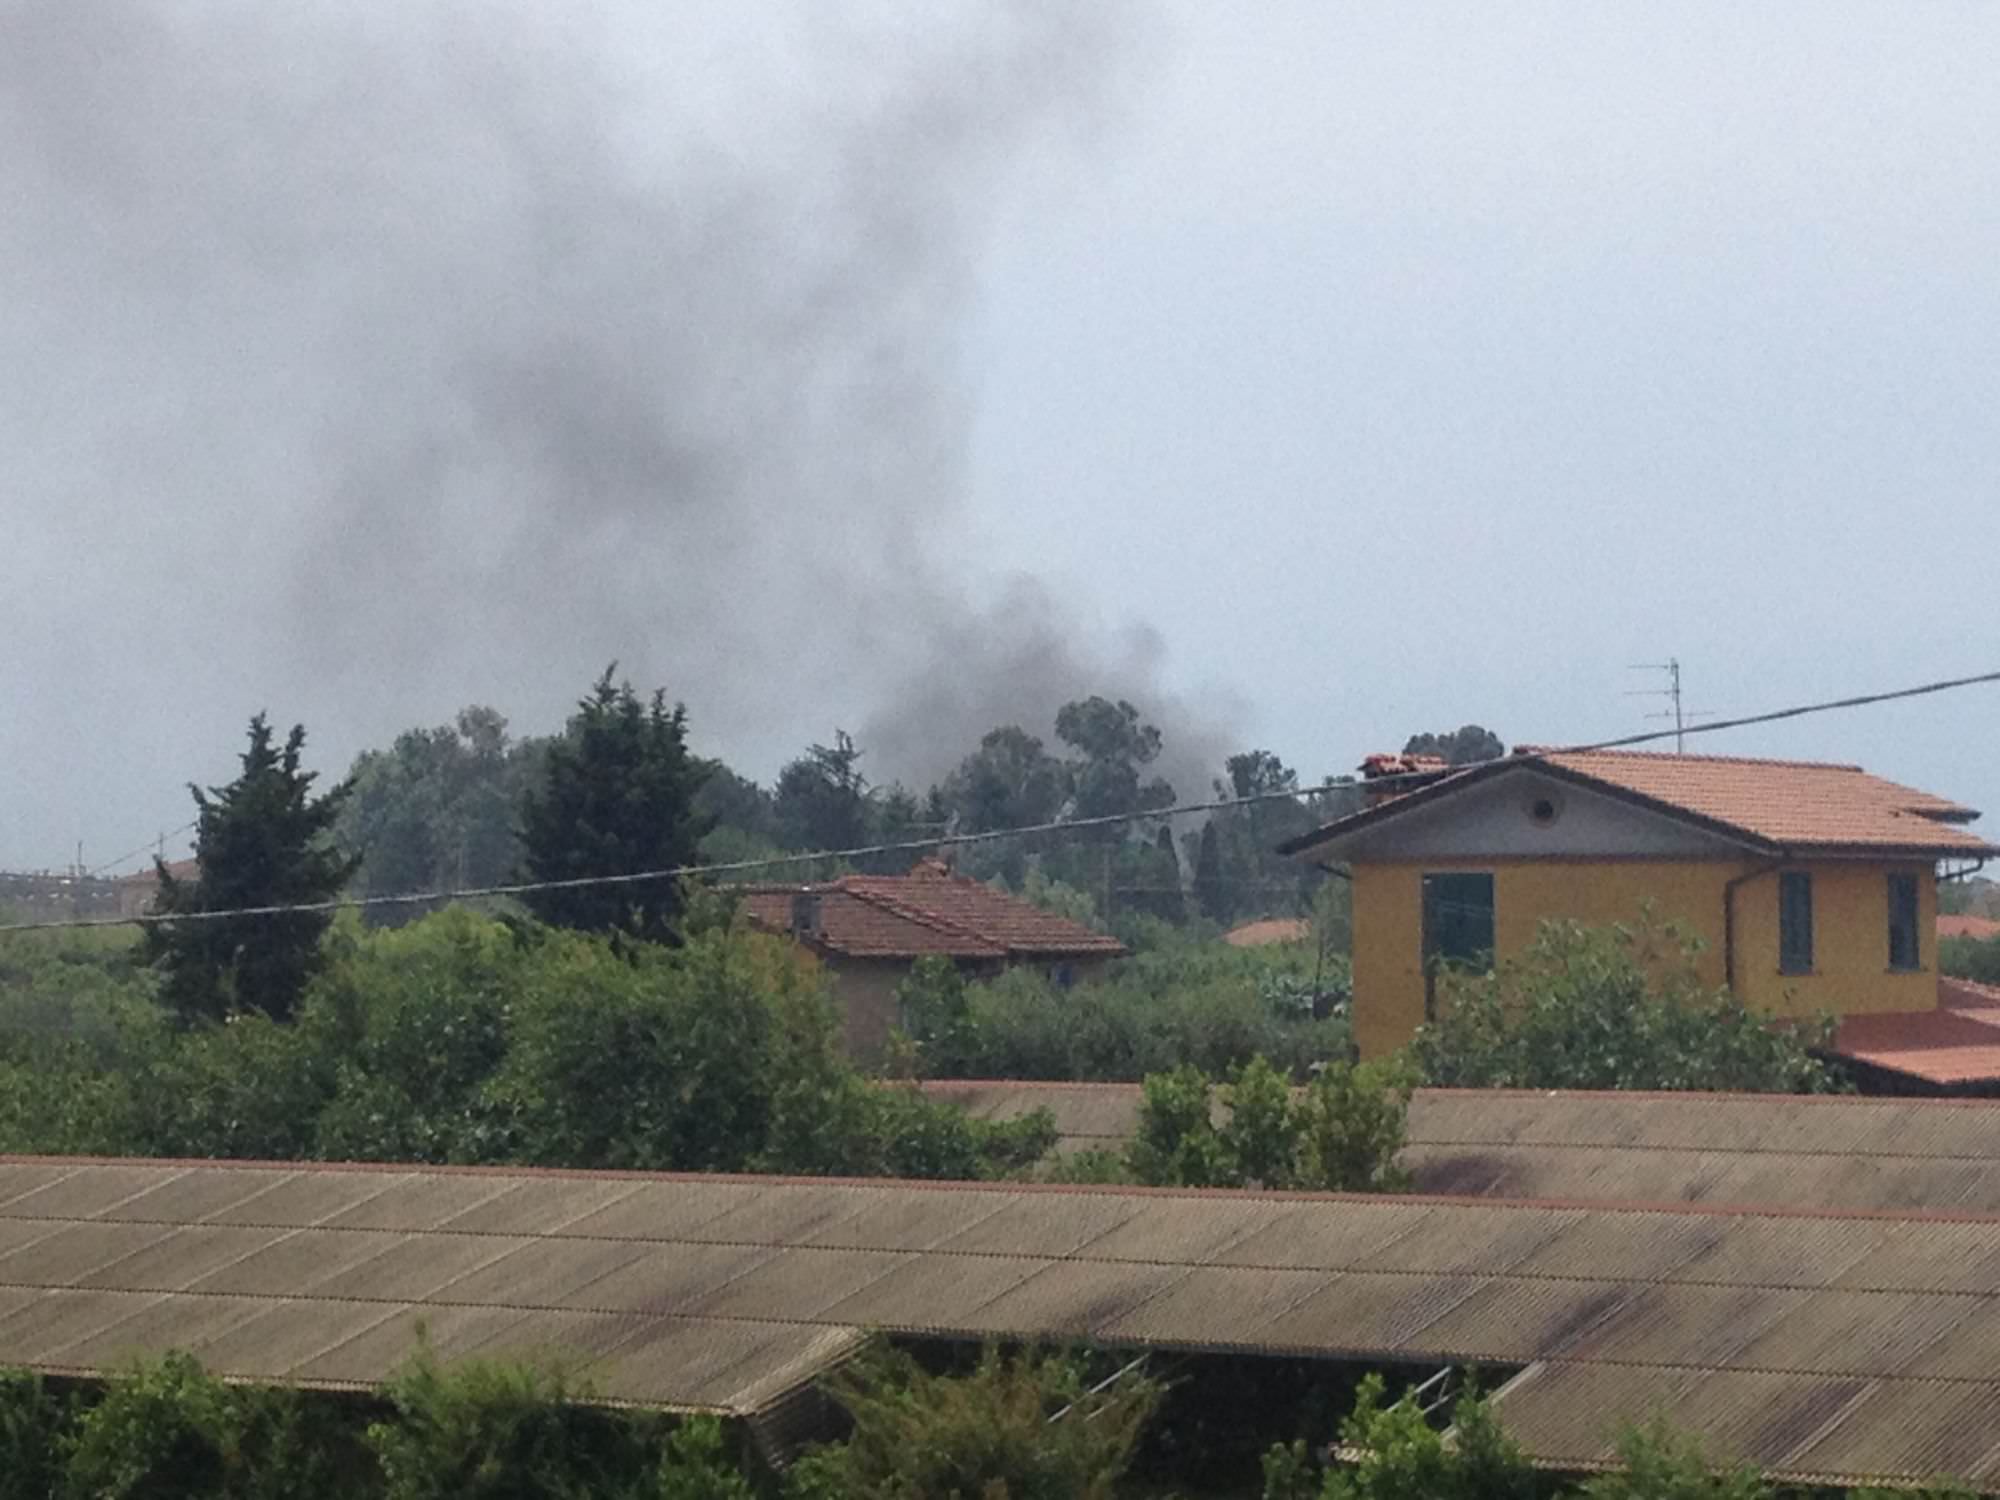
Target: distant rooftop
<point>929,911</point>
<point>1779,805</point>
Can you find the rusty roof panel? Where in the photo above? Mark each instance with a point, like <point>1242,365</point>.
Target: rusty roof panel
<point>60,1316</point>
<point>181,1257</point>
<point>153,1326</point>
<point>1364,1310</point>
<point>1070,1299</point>
<point>74,1251</point>
<point>1944,1258</point>
<point>413,1269</point>
<point>1909,1429</point>
<point>663,1279</point>
<point>1516,1320</point>
<point>419,1202</point>
<point>290,1332</point>
<point>1964,1351</point>
<point>1301,1239</point>
<point>657,1211</point>
<point>1046,1224</point>
<point>1183,1229</point>
<point>911,1221</point>
<point>191,1197</point>
<point>83,1195</point>
<point>293,1263</point>
<point>541,1272</point>
<point>541,1205</point>
<point>1793,1251</point>
<point>1471,1240</point>
<point>302,1199</point>
<point>20,1178</point>
<point>1217,1307</point>
<point>798,1283</point>
<point>1638,1246</point>
<point>1684,1325</point>
<point>936,1291</point>
<point>1858,1333</point>
<point>786,1218</point>
<point>376,1351</point>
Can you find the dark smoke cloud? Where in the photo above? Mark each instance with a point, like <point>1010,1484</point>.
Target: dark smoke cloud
<point>377,358</point>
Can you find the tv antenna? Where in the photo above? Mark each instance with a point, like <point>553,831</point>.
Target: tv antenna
<point>1681,716</point>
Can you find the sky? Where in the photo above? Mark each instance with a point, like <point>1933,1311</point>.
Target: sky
<point>1311,374</point>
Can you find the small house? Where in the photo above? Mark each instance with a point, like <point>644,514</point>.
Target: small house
<point>1813,885</point>
<point>869,930</point>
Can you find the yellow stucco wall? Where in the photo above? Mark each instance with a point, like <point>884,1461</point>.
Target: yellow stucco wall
<point>1850,930</point>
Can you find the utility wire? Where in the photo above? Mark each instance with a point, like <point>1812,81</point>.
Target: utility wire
<point>97,870</point>
<point>914,846</point>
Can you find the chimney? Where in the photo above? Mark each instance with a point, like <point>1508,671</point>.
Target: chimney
<point>805,914</point>
<point>1393,775</point>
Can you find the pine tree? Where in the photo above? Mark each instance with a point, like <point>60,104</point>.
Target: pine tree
<point>616,798</point>
<point>262,840</point>
<point>1211,892</point>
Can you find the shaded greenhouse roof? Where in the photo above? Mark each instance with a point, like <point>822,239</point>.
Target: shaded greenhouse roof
<point>1809,1151</point>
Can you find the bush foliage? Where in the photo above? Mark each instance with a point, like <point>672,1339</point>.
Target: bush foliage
<point>1202,1004</point>
<point>463,1039</point>
<point>1620,1007</point>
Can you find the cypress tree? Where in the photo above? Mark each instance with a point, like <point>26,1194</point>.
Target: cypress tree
<point>616,798</point>
<point>262,840</point>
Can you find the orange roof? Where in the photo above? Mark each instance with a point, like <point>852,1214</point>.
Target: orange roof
<point>1270,930</point>
<point>1782,806</point>
<point>1981,928</point>
<point>1791,803</point>
<point>1957,1043</point>
<point>930,910</point>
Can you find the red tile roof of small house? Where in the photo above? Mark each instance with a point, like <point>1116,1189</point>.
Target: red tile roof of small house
<point>1957,1043</point>
<point>1980,928</point>
<point>930,910</point>
<point>1782,806</point>
<point>1268,930</point>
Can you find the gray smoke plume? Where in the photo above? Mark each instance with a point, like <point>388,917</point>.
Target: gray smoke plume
<point>369,359</point>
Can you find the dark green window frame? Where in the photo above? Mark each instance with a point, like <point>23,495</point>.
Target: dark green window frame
<point>1906,948</point>
<point>1458,926</point>
<point>1795,922</point>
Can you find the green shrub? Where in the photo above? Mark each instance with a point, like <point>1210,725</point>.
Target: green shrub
<point>166,1429</point>
<point>1204,1004</point>
<point>1340,1133</point>
<point>481,1429</point>
<point>1970,958</point>
<point>1398,1455</point>
<point>1016,1427</point>
<point>1620,1007</point>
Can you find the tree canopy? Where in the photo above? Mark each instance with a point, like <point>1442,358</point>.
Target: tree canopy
<point>616,797</point>
<point>262,840</point>
<point>1459,747</point>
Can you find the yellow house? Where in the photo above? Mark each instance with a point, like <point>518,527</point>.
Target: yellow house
<point>1813,885</point>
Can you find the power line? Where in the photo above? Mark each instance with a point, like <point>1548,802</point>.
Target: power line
<point>149,844</point>
<point>917,846</point>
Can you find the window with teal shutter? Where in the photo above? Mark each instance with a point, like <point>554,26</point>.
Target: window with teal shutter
<point>1795,923</point>
<point>1905,949</point>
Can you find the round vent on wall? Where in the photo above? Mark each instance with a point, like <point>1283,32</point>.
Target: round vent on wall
<point>1543,808</point>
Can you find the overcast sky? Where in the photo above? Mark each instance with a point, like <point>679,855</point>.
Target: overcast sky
<point>1311,373</point>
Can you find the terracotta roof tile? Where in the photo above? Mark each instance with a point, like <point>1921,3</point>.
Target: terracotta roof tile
<point>1807,806</point>
<point>931,910</point>
<point>1981,928</point>
<point>1270,930</point>
<point>1959,1042</point>
<point>1797,804</point>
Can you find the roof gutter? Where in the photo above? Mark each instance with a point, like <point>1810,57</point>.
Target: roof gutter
<point>1965,874</point>
<point>1729,914</point>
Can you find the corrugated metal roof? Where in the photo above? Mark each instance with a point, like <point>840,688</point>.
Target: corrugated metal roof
<point>1812,1151</point>
<point>1792,1338</point>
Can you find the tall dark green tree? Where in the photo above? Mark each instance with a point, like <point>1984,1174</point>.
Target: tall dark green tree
<point>617,797</point>
<point>822,797</point>
<point>262,840</point>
